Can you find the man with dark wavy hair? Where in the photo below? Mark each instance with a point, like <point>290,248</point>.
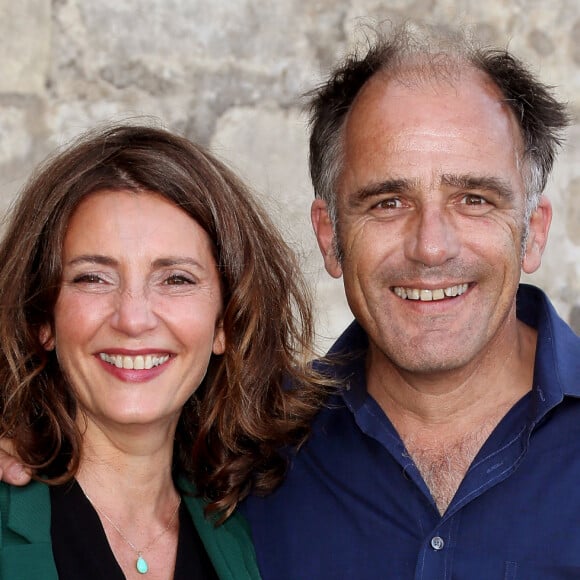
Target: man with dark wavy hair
<point>452,449</point>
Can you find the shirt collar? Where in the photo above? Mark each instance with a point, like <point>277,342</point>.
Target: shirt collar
<point>557,364</point>
<point>345,362</point>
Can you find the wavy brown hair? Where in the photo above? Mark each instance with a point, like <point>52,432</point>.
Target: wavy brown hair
<point>256,400</point>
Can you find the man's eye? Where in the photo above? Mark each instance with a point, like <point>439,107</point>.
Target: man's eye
<point>472,199</point>
<point>390,203</point>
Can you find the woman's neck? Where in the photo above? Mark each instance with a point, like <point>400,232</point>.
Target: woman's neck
<point>137,504</point>
<point>127,468</point>
<point>126,476</point>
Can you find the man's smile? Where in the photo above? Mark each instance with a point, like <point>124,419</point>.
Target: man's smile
<point>428,295</point>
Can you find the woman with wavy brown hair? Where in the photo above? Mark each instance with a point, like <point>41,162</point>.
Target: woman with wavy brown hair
<point>151,320</point>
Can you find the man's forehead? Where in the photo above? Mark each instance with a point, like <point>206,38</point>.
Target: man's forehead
<point>430,107</point>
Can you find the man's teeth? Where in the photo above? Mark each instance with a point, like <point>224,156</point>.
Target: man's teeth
<point>138,362</point>
<point>429,295</point>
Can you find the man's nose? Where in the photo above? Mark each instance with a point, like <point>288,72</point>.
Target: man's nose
<point>433,240</point>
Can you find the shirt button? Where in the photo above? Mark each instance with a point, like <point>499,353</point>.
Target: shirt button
<point>437,543</point>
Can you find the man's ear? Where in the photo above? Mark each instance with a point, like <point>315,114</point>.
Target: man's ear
<point>537,236</point>
<point>46,337</point>
<point>324,230</point>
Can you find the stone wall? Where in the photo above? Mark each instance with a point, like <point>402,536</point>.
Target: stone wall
<point>229,74</point>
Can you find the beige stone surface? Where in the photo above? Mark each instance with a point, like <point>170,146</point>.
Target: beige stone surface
<point>25,33</point>
<point>230,74</point>
<point>273,160</point>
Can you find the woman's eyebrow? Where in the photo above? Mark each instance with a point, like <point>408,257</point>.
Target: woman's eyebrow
<point>92,259</point>
<point>169,261</point>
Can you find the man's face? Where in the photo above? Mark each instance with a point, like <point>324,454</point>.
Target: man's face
<point>430,220</point>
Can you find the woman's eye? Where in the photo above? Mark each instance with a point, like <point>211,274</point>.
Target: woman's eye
<point>88,279</point>
<point>179,280</point>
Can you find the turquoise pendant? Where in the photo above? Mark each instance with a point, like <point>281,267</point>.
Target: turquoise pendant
<point>141,565</point>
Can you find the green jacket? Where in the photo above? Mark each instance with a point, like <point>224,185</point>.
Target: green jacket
<point>26,550</point>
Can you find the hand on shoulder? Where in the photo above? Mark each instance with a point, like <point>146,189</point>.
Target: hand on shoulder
<point>11,470</point>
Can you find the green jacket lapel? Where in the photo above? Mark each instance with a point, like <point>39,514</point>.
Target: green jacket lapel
<point>25,545</point>
<point>229,546</point>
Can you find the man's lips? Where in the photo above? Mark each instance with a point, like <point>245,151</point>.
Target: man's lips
<point>430,294</point>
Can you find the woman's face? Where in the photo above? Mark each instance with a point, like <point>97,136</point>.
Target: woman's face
<point>138,314</point>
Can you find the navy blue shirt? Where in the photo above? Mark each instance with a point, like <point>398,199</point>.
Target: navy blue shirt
<point>355,506</point>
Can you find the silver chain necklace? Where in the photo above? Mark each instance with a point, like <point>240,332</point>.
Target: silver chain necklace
<point>140,563</point>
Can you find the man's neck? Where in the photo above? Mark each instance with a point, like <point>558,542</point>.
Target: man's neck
<point>444,418</point>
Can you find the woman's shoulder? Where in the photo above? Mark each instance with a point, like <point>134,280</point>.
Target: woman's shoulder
<point>26,507</point>
<point>236,526</point>
<point>228,545</point>
<point>25,548</point>
<point>28,497</point>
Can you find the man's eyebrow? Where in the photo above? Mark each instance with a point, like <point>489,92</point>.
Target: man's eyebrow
<point>482,183</point>
<point>390,186</point>
<point>398,185</point>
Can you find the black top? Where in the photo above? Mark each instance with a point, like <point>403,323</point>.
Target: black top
<point>81,549</point>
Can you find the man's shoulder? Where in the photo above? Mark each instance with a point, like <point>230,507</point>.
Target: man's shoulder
<point>346,352</point>
<point>534,308</point>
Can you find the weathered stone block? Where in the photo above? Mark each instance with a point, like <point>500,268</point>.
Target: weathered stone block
<point>25,45</point>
